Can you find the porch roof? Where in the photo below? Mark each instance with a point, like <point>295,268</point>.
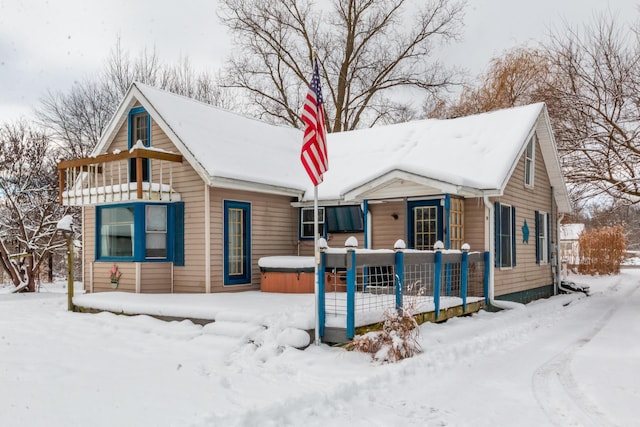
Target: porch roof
<point>399,183</point>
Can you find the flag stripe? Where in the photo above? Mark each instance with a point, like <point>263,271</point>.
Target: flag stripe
<point>314,148</point>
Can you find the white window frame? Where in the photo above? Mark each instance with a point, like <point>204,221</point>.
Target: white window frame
<point>150,231</point>
<point>321,218</point>
<point>542,238</point>
<point>530,162</point>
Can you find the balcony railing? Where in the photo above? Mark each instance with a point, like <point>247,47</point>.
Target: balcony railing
<point>106,178</point>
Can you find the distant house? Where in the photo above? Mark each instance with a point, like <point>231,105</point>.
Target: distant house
<point>569,243</point>
<point>180,196</point>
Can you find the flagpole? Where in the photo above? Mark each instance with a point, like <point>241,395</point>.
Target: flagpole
<point>316,258</point>
<point>314,160</point>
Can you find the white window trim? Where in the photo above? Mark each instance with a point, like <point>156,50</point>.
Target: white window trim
<point>321,221</point>
<point>543,245</point>
<point>530,162</point>
<point>159,232</point>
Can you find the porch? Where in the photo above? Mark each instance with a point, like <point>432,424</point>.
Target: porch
<point>242,315</point>
<point>360,286</point>
<point>142,173</point>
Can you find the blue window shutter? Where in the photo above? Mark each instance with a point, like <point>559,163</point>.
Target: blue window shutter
<point>139,234</point>
<point>178,234</point>
<point>548,238</point>
<point>498,230</point>
<point>513,236</point>
<point>537,236</point>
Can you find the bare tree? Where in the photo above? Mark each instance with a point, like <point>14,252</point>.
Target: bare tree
<point>29,209</point>
<point>596,108</point>
<point>366,49</point>
<point>76,119</point>
<point>520,76</point>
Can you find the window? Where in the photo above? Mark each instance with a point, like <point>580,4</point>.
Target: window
<point>156,231</point>
<point>529,162</point>
<point>237,242</point>
<point>139,130</point>
<point>456,223</point>
<point>332,219</point>
<point>505,218</point>
<point>542,237</point>
<point>140,232</point>
<point>344,219</point>
<point>306,222</point>
<point>116,232</point>
<point>425,223</point>
<point>426,226</point>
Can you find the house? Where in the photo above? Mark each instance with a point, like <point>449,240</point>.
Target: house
<point>569,243</point>
<point>180,196</point>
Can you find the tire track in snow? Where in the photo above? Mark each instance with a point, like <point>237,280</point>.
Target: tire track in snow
<point>556,389</point>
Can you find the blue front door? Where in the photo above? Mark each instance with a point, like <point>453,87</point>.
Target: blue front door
<point>237,243</point>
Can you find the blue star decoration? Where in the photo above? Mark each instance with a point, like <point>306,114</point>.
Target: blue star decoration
<point>525,232</point>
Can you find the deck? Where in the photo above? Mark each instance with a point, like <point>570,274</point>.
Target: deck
<point>266,310</point>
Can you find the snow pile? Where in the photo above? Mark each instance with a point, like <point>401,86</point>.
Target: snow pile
<point>562,361</point>
<point>288,262</point>
<point>66,223</point>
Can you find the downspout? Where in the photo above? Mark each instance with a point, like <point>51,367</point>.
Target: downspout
<point>493,303</point>
<point>558,257</point>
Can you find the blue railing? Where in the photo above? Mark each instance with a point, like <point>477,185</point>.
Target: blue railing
<point>369,282</point>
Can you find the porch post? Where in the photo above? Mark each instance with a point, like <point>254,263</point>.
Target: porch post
<point>139,177</point>
<point>322,246</point>
<point>399,277</point>
<point>437,276</point>
<point>464,274</point>
<point>365,214</point>
<point>487,272</point>
<point>61,184</point>
<point>351,290</point>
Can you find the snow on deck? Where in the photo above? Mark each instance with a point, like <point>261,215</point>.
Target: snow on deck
<point>264,308</point>
<point>287,310</point>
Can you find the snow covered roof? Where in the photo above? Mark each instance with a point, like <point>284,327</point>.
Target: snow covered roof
<point>474,152</point>
<point>470,156</point>
<point>571,231</point>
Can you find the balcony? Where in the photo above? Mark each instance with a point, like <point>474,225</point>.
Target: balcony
<point>107,178</point>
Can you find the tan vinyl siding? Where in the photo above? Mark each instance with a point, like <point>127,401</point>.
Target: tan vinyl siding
<point>272,233</point>
<point>186,181</point>
<point>526,274</point>
<point>119,170</point>
<point>474,224</point>
<point>385,229</point>
<point>191,187</point>
<point>88,247</point>
<point>102,274</point>
<point>155,277</point>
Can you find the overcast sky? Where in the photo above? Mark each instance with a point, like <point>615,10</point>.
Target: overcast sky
<point>46,45</point>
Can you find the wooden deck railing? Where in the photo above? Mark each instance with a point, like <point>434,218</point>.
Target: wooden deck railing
<point>83,181</point>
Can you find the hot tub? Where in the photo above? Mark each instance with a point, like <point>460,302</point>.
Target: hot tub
<point>290,275</point>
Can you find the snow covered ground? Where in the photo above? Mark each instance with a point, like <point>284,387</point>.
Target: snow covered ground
<point>568,360</point>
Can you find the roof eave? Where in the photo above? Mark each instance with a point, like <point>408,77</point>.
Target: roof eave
<point>431,186</point>
<point>238,184</point>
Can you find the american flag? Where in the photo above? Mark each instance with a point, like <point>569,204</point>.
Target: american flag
<point>314,145</point>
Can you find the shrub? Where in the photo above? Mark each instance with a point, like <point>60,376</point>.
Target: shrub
<point>397,340</point>
<point>602,250</point>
